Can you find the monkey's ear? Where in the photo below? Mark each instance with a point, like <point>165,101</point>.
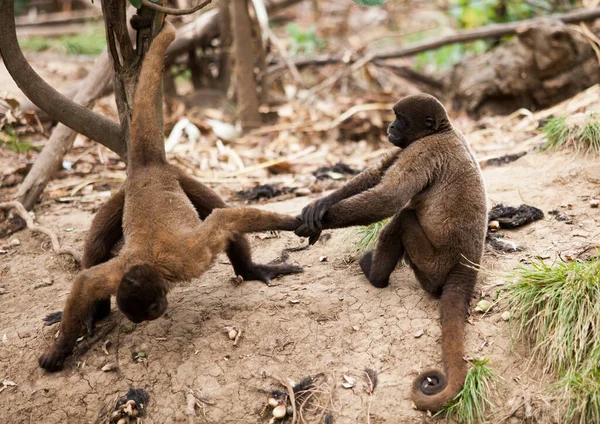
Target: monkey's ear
<point>430,123</point>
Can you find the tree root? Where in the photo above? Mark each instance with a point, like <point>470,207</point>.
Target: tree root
<point>22,212</point>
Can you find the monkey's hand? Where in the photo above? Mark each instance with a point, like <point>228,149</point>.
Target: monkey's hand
<point>312,217</point>
<point>53,359</point>
<point>266,273</point>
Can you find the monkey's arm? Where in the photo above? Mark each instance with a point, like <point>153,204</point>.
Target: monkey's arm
<point>370,177</point>
<point>404,180</point>
<point>105,232</point>
<point>238,249</point>
<point>90,286</point>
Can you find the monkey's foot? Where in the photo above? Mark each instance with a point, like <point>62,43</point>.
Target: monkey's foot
<point>366,263</point>
<point>52,318</point>
<point>100,311</point>
<point>52,360</point>
<point>266,273</point>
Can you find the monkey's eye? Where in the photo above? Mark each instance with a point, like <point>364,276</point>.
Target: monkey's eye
<point>429,122</point>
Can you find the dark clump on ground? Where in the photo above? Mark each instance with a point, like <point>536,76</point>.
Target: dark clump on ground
<point>511,217</point>
<point>263,191</point>
<point>503,160</point>
<point>561,216</point>
<point>339,168</point>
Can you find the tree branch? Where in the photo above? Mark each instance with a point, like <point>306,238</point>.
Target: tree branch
<point>172,11</point>
<point>76,117</point>
<point>488,31</point>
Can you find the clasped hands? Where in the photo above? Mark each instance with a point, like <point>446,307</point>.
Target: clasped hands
<point>312,219</point>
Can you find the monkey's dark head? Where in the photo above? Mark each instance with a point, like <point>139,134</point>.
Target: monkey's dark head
<point>417,116</point>
<point>142,293</point>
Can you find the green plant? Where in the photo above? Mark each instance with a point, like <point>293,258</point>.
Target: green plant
<point>580,132</point>
<point>10,139</point>
<point>474,401</point>
<point>90,41</point>
<point>303,41</point>
<point>367,237</point>
<point>556,308</point>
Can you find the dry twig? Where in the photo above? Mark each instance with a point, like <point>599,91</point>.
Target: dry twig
<point>20,210</point>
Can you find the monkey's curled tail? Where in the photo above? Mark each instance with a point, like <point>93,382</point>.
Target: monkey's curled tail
<point>432,389</point>
<point>147,142</point>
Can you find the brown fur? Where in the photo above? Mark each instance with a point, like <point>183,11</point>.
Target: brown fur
<point>434,191</point>
<point>158,210</point>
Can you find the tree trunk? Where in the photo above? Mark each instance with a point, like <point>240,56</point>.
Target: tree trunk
<point>247,96</point>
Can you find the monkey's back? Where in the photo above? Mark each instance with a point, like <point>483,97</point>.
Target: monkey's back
<point>156,203</point>
<point>453,208</point>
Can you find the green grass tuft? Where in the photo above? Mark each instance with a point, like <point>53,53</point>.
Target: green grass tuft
<point>367,237</point>
<point>90,41</point>
<point>474,401</point>
<point>556,308</point>
<point>579,132</point>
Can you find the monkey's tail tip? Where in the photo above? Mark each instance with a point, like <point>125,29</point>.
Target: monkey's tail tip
<point>431,391</point>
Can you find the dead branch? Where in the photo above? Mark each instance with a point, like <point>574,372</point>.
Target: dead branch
<point>172,11</point>
<point>62,137</point>
<point>76,117</point>
<point>20,210</point>
<point>488,31</point>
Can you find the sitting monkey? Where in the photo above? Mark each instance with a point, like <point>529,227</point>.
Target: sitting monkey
<point>165,241</point>
<point>433,189</point>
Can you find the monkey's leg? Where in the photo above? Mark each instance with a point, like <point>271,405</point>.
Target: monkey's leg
<point>430,266</point>
<point>91,285</point>
<point>238,249</point>
<point>106,230</point>
<point>378,265</point>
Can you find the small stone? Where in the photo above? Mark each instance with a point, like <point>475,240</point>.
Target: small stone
<point>494,225</point>
<point>322,258</point>
<point>483,306</point>
<point>594,203</point>
<point>349,382</point>
<point>109,367</point>
<point>231,334</point>
<point>356,328</point>
<point>302,191</point>
<point>294,301</point>
<point>419,333</point>
<point>505,315</point>
<point>279,411</point>
<point>273,402</point>
<point>15,242</point>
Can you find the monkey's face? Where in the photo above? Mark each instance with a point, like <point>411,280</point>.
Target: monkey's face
<point>142,294</point>
<point>416,117</point>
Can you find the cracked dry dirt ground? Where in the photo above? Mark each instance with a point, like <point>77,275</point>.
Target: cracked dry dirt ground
<point>339,326</point>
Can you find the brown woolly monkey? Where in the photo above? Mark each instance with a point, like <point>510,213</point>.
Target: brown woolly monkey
<point>433,189</point>
<point>158,211</point>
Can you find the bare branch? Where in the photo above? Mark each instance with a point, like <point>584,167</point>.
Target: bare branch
<point>488,31</point>
<point>76,117</point>
<point>172,11</point>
